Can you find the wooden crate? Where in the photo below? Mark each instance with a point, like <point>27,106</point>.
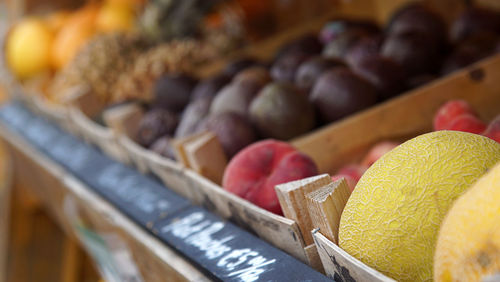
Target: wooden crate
<point>331,147</point>
<point>404,117</point>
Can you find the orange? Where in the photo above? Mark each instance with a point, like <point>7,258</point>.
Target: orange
<point>28,48</point>
<point>79,28</point>
<point>115,17</point>
<point>57,20</point>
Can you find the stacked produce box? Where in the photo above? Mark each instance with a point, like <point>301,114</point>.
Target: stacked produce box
<point>366,128</point>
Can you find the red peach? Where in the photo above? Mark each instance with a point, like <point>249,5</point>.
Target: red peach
<point>449,111</point>
<point>353,170</point>
<point>352,173</point>
<point>255,170</point>
<point>377,151</point>
<point>468,123</point>
<point>493,129</point>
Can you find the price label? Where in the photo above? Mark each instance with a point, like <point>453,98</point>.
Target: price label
<point>228,252</point>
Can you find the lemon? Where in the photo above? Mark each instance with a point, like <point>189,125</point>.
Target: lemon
<point>392,218</point>
<point>468,246</point>
<point>28,48</point>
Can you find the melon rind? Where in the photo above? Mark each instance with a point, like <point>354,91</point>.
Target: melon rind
<point>468,246</point>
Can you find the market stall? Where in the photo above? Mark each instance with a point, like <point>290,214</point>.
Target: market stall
<point>245,141</point>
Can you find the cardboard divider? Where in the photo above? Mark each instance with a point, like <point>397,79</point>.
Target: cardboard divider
<point>206,156</point>
<point>82,106</point>
<point>340,265</point>
<point>335,262</point>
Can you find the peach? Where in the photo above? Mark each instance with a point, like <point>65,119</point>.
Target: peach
<point>468,123</point>
<point>493,129</point>
<point>449,111</point>
<point>255,170</point>
<point>352,173</point>
<point>377,151</point>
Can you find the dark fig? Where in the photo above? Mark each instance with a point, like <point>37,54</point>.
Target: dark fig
<point>415,52</point>
<point>282,112</point>
<point>194,113</point>
<point>364,48</point>
<point>307,44</point>
<point>233,131</point>
<point>473,20</point>
<point>173,91</point>
<point>338,47</point>
<point>470,50</point>
<point>309,71</point>
<point>386,75</point>
<point>253,75</point>
<point>418,18</point>
<point>236,66</point>
<point>286,66</point>
<point>333,29</point>
<point>155,124</point>
<point>340,92</point>
<point>210,86</point>
<point>235,97</point>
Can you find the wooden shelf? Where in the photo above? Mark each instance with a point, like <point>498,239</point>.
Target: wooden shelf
<point>155,235</point>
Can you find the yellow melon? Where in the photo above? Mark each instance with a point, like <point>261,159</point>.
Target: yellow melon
<point>392,218</point>
<point>468,246</point>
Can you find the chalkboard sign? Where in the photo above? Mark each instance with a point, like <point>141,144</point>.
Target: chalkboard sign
<point>223,250</point>
<point>228,252</point>
<point>15,114</point>
<point>140,197</point>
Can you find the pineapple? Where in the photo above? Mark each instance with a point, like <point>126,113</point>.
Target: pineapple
<point>174,56</point>
<point>98,65</point>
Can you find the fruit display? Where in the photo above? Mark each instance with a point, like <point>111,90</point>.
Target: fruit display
<point>349,66</point>
<point>233,102</point>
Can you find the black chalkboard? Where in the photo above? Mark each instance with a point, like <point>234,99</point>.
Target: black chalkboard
<point>140,197</point>
<point>218,247</point>
<point>228,252</point>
